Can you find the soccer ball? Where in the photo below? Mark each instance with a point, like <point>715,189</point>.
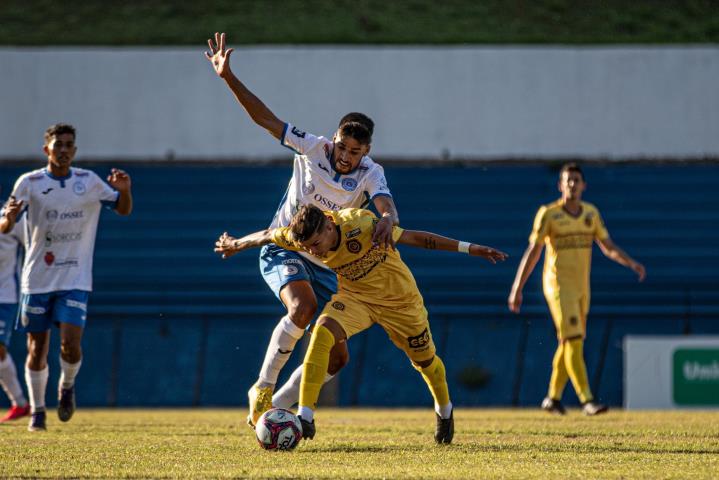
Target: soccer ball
<point>278,429</point>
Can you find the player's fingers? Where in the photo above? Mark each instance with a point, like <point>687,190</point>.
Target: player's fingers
<point>212,47</point>
<point>229,51</point>
<point>217,41</point>
<point>222,41</point>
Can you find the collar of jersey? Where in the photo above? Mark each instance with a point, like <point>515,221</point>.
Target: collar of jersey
<point>47,172</point>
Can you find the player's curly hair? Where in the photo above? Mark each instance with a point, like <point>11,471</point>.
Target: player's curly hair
<point>58,129</point>
<point>358,117</point>
<point>357,131</point>
<point>306,222</point>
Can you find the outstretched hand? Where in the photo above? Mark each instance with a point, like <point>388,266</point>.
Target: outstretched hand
<point>226,245</point>
<point>218,56</point>
<point>119,180</point>
<point>382,235</point>
<point>489,253</point>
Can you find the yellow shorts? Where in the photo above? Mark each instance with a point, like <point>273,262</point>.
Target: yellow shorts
<point>569,313</point>
<point>407,325</point>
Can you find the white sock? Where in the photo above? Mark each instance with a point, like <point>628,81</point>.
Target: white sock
<point>306,413</point>
<point>10,382</point>
<point>289,394</point>
<point>283,341</point>
<point>444,411</point>
<point>69,372</point>
<point>36,385</point>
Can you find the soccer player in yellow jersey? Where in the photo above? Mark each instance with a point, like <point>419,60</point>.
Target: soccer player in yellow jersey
<point>568,227</point>
<point>374,286</point>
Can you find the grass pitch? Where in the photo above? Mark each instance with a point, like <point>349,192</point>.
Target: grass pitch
<point>368,443</point>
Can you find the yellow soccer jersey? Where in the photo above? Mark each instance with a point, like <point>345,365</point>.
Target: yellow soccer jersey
<point>569,242</point>
<point>369,273</point>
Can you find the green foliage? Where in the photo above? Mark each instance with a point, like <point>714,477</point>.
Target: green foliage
<point>368,443</point>
<point>154,22</point>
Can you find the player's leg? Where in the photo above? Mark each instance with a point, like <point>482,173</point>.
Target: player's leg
<point>408,328</point>
<point>8,372</point>
<point>341,318</point>
<point>71,314</point>
<point>552,403</point>
<point>34,318</point>
<point>324,284</point>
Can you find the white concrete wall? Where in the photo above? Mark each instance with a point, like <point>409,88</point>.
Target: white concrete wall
<point>464,102</point>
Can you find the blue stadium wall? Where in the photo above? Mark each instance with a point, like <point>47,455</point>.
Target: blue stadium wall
<point>171,324</point>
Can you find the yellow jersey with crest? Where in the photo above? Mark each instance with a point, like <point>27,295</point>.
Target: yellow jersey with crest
<point>568,240</point>
<point>368,272</point>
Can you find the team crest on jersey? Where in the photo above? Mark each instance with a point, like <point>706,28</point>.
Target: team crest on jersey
<point>349,184</point>
<point>353,233</point>
<point>49,258</point>
<point>588,219</point>
<point>338,306</point>
<point>354,246</point>
<point>308,188</point>
<point>79,188</point>
<point>51,215</point>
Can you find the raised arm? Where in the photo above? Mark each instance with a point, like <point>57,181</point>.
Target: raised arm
<point>525,269</point>
<point>432,241</point>
<point>613,252</point>
<point>228,245</point>
<point>120,181</point>
<point>219,57</point>
<point>382,235</point>
<point>9,214</point>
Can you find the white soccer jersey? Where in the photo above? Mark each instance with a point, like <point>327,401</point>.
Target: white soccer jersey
<point>9,253</point>
<point>314,180</point>
<point>62,215</point>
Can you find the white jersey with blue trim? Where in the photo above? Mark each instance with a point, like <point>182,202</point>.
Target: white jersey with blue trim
<point>62,216</point>
<point>315,182</point>
<point>10,248</point>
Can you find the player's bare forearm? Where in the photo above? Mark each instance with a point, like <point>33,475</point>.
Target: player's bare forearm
<point>9,214</point>
<point>432,241</point>
<point>382,234</point>
<point>612,251</point>
<point>227,245</point>
<point>6,224</point>
<point>386,208</point>
<point>255,108</point>
<point>526,265</point>
<point>124,203</point>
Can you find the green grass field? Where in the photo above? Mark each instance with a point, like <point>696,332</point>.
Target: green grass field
<point>370,443</point>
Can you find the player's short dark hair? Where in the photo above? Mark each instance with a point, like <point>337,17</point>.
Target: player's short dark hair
<point>359,118</point>
<point>306,222</point>
<point>571,167</point>
<point>58,129</point>
<point>357,131</point>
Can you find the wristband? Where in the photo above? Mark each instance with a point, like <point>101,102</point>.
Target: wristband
<point>463,247</point>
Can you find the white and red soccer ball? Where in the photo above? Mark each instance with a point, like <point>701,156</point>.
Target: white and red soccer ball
<point>278,429</point>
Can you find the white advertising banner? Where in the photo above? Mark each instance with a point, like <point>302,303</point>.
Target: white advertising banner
<point>671,372</point>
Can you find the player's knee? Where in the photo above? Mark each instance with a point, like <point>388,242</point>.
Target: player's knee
<point>70,351</point>
<point>302,312</point>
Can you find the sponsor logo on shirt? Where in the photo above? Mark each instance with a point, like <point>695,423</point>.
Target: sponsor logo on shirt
<point>349,184</point>
<point>49,258</point>
<point>72,215</point>
<point>51,215</point>
<point>298,133</point>
<point>79,188</point>
<point>65,237</point>
<point>353,233</point>
<point>289,270</point>
<point>326,202</point>
<point>322,167</point>
<point>47,191</point>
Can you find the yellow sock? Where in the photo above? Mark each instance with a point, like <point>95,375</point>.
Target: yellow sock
<point>559,377</point>
<point>315,366</point>
<point>436,379</point>
<point>577,370</point>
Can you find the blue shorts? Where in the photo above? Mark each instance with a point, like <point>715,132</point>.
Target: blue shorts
<point>39,311</point>
<point>280,266</point>
<point>8,314</point>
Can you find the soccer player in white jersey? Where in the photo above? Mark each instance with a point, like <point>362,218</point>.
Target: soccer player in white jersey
<point>62,206</point>
<point>331,174</point>
<point>10,247</point>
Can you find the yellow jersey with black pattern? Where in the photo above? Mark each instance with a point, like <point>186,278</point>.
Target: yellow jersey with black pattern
<point>370,273</point>
<point>569,239</point>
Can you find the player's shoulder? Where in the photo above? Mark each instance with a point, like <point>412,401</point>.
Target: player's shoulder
<point>82,172</point>
<point>33,175</point>
<point>354,216</point>
<point>589,207</point>
<point>551,208</point>
<point>367,165</point>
